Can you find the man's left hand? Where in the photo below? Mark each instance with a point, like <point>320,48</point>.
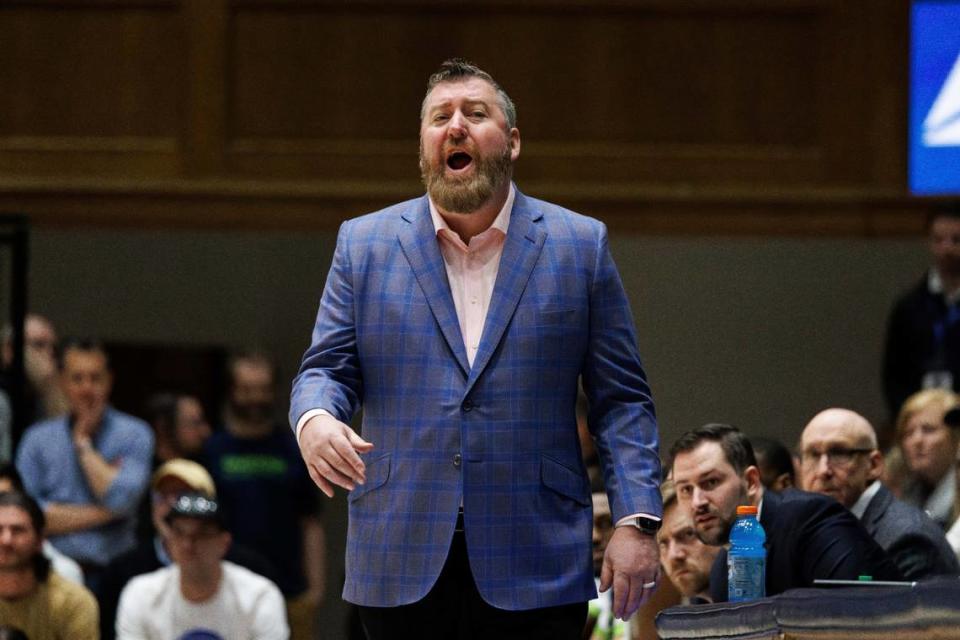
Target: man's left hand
<point>632,560</point>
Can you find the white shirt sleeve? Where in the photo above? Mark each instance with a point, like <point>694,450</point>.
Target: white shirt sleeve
<point>306,417</point>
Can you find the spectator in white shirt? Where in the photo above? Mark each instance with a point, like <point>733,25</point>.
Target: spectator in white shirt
<point>200,592</point>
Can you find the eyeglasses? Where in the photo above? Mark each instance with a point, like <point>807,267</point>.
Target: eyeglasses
<point>836,457</point>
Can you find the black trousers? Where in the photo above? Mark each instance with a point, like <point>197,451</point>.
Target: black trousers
<point>454,610</point>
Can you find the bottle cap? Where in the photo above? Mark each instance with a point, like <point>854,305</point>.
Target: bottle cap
<point>746,510</point>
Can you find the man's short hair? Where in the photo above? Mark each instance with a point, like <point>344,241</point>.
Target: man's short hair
<point>455,69</point>
<point>734,444</point>
<point>8,471</point>
<point>254,357</point>
<point>162,411</point>
<point>20,500</point>
<point>84,344</point>
<point>775,455</point>
<point>26,503</point>
<point>947,209</point>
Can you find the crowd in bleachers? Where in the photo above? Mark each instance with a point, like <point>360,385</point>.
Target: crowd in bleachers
<point>115,526</point>
<point>112,526</point>
<point>834,504</point>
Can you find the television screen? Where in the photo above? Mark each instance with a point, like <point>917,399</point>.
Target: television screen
<point>934,139</point>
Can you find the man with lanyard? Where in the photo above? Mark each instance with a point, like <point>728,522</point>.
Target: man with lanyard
<point>923,334</point>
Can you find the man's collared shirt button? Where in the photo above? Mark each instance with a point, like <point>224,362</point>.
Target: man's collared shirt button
<point>456,460</point>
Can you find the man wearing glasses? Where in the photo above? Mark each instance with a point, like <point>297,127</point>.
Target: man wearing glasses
<point>809,536</point>
<point>839,458</point>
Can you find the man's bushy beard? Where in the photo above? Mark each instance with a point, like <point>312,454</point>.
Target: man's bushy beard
<point>252,411</point>
<point>467,194</point>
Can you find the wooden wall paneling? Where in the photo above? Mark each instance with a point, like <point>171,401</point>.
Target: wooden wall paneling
<point>205,85</point>
<point>89,88</point>
<point>888,46</point>
<point>650,92</point>
<point>296,113</point>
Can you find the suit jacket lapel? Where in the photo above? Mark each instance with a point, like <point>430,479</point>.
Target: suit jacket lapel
<point>418,240</point>
<point>875,509</point>
<point>520,252</point>
<point>768,518</point>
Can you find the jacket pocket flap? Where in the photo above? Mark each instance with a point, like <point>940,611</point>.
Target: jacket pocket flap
<point>564,480</point>
<point>378,471</point>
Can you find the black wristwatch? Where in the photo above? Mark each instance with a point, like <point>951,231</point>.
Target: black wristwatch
<point>648,526</point>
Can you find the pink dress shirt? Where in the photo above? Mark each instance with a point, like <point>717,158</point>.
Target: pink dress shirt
<point>472,270</point>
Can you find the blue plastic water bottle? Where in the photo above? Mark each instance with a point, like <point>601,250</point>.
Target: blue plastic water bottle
<point>747,558</point>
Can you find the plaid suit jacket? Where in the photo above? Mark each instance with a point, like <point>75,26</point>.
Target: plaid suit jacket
<point>499,436</point>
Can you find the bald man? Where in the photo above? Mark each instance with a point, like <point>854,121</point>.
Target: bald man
<point>839,458</point>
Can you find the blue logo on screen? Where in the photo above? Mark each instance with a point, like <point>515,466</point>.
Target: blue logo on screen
<point>941,128</point>
<point>935,98</point>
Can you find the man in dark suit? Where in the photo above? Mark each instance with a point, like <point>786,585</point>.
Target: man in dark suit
<point>461,322</point>
<point>923,331</point>
<point>809,536</point>
<point>839,458</point>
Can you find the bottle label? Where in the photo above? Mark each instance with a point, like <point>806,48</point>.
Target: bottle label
<point>745,578</point>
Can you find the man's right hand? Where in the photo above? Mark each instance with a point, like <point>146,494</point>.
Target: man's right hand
<point>331,451</point>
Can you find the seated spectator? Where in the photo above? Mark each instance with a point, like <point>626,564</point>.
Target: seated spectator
<point>809,536</point>
<point>34,599</point>
<point>930,450</point>
<point>44,396</point>
<point>952,419</point>
<point>64,565</point>
<point>88,468</point>
<point>173,479</point>
<point>201,594</point>
<point>839,458</point>
<point>179,424</point>
<point>601,625</point>
<point>775,463</point>
<point>180,430</point>
<point>685,558</point>
<point>264,485</point>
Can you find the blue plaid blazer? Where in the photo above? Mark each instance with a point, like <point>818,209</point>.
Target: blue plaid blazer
<point>499,436</point>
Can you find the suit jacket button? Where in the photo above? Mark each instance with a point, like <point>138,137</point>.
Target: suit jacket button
<point>467,405</point>
<point>456,460</point>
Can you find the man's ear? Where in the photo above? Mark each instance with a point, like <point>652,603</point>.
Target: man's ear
<point>751,476</point>
<point>514,143</point>
<point>875,460</point>
<point>225,540</point>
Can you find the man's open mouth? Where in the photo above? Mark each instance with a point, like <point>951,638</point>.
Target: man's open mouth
<point>459,160</point>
